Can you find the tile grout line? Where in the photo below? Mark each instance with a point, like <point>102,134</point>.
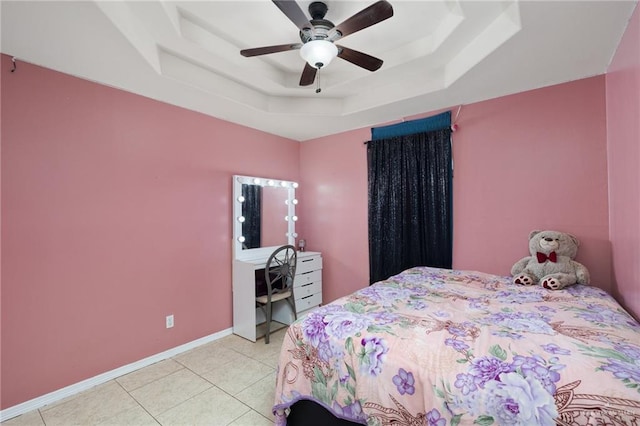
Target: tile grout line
<point>138,402</point>
<point>258,352</point>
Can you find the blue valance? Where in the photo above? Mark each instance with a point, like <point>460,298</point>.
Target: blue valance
<point>429,124</point>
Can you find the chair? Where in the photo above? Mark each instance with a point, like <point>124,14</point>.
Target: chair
<point>279,274</point>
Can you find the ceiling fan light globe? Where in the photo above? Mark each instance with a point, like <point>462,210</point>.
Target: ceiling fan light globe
<point>318,53</point>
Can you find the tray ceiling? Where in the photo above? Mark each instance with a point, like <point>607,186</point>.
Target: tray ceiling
<point>437,54</point>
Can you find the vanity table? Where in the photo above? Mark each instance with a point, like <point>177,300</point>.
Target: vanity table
<point>264,219</point>
<point>307,290</point>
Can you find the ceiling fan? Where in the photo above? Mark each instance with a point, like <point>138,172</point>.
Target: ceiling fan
<point>318,35</point>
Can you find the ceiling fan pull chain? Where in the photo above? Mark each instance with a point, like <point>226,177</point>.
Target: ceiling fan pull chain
<point>318,89</point>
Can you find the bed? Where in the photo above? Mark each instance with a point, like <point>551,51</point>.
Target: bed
<point>444,347</point>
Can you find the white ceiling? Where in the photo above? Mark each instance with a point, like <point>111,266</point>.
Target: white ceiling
<point>437,54</point>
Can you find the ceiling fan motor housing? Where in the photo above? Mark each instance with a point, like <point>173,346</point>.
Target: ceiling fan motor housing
<point>318,10</point>
<point>321,26</point>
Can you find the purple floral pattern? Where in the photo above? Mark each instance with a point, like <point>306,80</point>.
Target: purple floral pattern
<point>404,382</point>
<point>478,348</point>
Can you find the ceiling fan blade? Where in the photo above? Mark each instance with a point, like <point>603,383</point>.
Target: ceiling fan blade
<point>360,59</point>
<point>270,49</point>
<point>294,13</point>
<point>367,17</point>
<point>308,75</point>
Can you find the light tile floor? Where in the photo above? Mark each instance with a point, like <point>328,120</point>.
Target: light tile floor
<point>227,382</point>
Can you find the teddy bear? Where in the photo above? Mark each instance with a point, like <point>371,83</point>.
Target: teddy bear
<point>551,263</point>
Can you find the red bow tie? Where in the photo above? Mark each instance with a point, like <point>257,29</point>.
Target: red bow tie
<point>543,257</point>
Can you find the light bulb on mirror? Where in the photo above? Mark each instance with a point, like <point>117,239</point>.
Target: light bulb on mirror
<point>241,219</point>
<point>241,239</point>
<point>241,199</point>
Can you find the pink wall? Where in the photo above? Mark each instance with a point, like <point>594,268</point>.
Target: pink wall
<point>115,213</point>
<point>623,136</point>
<point>333,173</point>
<point>531,160</point>
<point>535,160</point>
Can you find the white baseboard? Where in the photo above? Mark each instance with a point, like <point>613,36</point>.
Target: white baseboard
<point>65,392</point>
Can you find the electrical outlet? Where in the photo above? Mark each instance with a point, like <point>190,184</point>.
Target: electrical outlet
<point>169,321</point>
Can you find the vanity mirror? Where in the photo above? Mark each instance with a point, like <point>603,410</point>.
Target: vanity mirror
<point>263,214</point>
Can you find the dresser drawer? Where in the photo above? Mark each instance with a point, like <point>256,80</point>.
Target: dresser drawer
<point>307,290</point>
<point>306,264</point>
<point>307,277</point>
<point>308,302</point>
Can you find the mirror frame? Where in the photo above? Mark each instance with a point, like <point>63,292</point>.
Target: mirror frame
<point>290,200</point>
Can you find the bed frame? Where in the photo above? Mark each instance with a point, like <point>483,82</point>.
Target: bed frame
<point>308,413</point>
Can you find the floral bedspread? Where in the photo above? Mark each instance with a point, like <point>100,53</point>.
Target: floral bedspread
<point>439,347</point>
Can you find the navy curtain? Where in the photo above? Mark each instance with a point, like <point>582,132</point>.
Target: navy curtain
<point>410,197</point>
